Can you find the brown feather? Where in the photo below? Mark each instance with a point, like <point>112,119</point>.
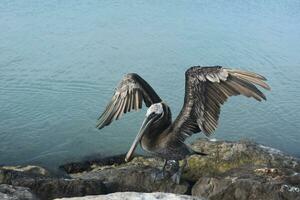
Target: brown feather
<point>129,95</point>
<point>206,89</point>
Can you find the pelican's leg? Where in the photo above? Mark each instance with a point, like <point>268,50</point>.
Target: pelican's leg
<point>176,176</point>
<point>157,176</point>
<point>165,163</point>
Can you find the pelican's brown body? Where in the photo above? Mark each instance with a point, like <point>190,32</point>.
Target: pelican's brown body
<point>156,136</point>
<point>206,89</point>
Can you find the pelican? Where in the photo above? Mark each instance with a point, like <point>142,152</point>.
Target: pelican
<point>206,89</point>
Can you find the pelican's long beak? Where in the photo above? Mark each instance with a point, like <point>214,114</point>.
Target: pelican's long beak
<point>139,136</point>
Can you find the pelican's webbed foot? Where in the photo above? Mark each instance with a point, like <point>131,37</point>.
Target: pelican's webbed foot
<point>176,177</point>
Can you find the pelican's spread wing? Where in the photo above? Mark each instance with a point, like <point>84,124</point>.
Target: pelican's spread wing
<point>129,95</point>
<point>206,89</point>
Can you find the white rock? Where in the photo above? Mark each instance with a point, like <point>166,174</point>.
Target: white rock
<point>213,139</point>
<point>136,196</point>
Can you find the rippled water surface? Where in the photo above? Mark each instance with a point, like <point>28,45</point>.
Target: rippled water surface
<point>60,61</point>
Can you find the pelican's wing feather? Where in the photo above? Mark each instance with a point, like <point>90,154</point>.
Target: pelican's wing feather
<point>129,95</point>
<point>206,89</point>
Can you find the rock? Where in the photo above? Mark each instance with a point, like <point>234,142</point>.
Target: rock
<point>244,155</point>
<point>243,170</point>
<point>10,173</point>
<point>30,169</point>
<point>9,192</point>
<point>50,188</point>
<point>208,187</point>
<point>77,167</point>
<point>46,186</point>
<point>137,196</point>
<point>243,189</point>
<point>232,170</point>
<point>134,176</point>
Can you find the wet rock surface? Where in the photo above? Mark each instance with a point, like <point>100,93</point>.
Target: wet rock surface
<point>87,165</point>
<point>231,170</point>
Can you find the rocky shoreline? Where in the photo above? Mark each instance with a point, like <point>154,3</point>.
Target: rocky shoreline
<point>231,170</point>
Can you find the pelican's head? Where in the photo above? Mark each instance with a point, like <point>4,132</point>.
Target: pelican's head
<point>156,108</point>
<point>154,112</point>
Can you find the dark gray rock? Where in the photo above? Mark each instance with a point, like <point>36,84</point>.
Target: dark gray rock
<point>10,173</point>
<point>9,192</point>
<point>243,189</point>
<point>134,176</point>
<point>49,188</point>
<point>84,166</point>
<point>46,186</point>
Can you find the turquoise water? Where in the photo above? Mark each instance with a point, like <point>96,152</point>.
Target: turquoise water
<point>60,61</point>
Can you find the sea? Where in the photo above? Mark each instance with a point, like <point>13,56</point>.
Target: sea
<point>60,62</point>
